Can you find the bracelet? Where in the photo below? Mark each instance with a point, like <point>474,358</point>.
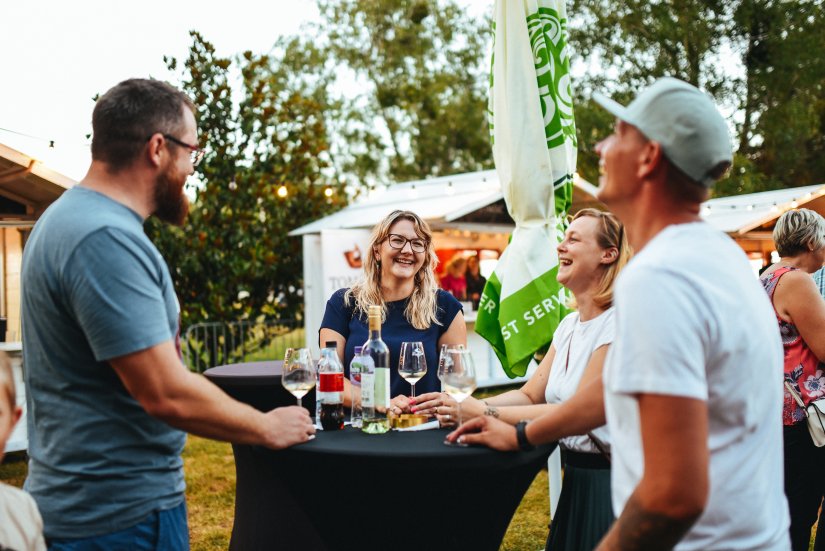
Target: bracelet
<point>521,435</point>
<point>491,411</point>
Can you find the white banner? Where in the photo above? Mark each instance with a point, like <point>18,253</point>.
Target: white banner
<point>342,254</point>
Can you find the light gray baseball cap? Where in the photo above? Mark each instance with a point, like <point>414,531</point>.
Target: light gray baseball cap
<point>684,121</point>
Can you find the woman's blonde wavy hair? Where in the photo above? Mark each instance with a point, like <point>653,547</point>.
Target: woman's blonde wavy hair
<point>611,235</point>
<point>421,308</point>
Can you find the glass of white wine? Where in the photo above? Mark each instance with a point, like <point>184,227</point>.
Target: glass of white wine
<point>459,378</point>
<point>412,364</point>
<point>298,373</point>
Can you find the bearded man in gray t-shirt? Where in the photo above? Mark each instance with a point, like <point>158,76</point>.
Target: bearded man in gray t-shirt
<point>108,395</point>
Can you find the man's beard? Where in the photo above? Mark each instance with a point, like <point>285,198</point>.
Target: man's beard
<point>171,203</point>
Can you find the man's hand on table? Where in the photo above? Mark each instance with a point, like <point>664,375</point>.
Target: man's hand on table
<point>486,431</point>
<point>287,426</point>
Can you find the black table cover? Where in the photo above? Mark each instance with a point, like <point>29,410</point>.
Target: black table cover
<point>257,384</point>
<point>349,490</point>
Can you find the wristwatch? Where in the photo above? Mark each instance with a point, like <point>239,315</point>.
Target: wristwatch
<point>521,435</point>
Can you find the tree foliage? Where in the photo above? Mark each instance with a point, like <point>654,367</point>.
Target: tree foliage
<point>233,258</point>
<point>760,59</point>
<point>380,92</point>
<point>419,64</point>
<point>383,91</point>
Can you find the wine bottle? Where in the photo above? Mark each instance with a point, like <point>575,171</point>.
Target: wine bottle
<point>375,379</point>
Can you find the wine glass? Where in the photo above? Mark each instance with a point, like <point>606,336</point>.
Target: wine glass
<point>444,359</point>
<point>459,376</point>
<point>298,373</point>
<point>412,364</point>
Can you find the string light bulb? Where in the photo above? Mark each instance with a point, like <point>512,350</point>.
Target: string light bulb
<point>282,191</point>
<point>328,192</point>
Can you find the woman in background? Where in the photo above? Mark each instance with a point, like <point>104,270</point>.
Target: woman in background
<point>475,281</point>
<point>453,280</point>
<point>799,236</point>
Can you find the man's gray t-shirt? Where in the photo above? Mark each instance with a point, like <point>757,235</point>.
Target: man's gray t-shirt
<point>94,288</point>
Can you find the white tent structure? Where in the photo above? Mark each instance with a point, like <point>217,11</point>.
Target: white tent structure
<point>749,219</point>
<point>467,202</point>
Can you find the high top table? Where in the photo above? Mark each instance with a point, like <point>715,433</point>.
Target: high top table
<point>401,490</point>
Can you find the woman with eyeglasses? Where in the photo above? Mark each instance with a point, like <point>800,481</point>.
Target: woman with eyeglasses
<point>398,276</point>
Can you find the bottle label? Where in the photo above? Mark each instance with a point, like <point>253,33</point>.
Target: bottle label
<point>355,370</point>
<point>331,382</point>
<point>382,387</point>
<point>367,390</point>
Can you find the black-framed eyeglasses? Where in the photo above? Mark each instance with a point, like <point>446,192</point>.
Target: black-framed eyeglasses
<point>195,152</point>
<point>399,242</point>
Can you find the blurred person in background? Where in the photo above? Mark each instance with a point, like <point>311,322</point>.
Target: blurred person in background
<point>475,281</point>
<point>454,281</point>
<point>21,527</point>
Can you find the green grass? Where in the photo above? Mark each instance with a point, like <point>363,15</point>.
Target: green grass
<point>261,343</point>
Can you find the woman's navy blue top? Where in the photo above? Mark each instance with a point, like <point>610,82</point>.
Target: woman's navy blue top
<point>396,329</point>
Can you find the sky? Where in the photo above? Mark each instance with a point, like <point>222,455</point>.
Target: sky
<point>56,55</point>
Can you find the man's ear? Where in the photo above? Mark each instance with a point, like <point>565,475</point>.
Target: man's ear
<point>153,149</point>
<point>650,159</point>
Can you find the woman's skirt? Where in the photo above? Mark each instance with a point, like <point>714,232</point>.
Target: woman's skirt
<point>585,512</point>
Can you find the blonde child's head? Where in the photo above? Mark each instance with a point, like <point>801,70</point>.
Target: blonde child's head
<point>9,410</point>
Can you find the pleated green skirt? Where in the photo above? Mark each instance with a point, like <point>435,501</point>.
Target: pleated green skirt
<point>584,512</point>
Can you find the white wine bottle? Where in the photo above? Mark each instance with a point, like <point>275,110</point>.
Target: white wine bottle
<point>375,380</point>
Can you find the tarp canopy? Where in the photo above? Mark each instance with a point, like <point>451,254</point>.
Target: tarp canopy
<point>469,201</point>
<point>474,201</point>
<point>739,214</point>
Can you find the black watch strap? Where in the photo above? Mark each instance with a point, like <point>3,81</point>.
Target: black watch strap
<point>521,435</point>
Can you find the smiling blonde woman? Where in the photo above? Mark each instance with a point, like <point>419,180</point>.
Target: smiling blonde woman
<point>399,277</point>
<point>591,255</point>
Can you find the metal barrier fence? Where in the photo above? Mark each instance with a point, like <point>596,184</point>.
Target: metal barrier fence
<point>206,345</point>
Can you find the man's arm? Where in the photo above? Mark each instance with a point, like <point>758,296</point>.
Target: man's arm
<point>158,380</point>
<point>674,488</point>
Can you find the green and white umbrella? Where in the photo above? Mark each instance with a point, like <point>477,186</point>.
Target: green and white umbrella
<point>534,147</point>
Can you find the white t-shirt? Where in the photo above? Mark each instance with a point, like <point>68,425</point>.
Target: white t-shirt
<point>581,339</point>
<point>692,320</point>
<point>21,527</point>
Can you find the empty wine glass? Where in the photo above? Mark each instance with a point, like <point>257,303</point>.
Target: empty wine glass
<point>459,376</point>
<point>412,364</point>
<point>298,373</point>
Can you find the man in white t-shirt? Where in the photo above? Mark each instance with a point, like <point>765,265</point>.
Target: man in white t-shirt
<point>692,383</point>
<point>693,390</point>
